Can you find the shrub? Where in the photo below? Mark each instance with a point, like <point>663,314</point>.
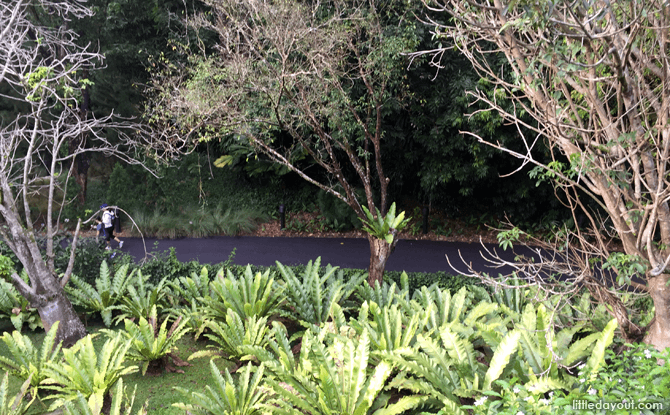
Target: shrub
<point>165,265</point>
<point>107,293</point>
<point>311,297</point>
<point>247,295</point>
<point>27,362</point>
<point>334,375</point>
<point>87,372</point>
<point>121,191</point>
<point>225,396</point>
<point>120,405</point>
<point>153,345</point>
<point>635,381</point>
<point>338,215</point>
<point>232,337</point>
<point>142,298</point>
<point>14,306</point>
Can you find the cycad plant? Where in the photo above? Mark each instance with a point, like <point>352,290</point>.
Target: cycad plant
<point>27,361</point>
<point>247,295</point>
<point>108,292</point>
<point>154,345</point>
<point>83,371</point>
<point>187,291</point>
<point>141,298</point>
<point>384,227</point>
<point>457,311</point>
<point>186,296</point>
<point>226,396</point>
<point>546,353</point>
<point>389,327</point>
<point>334,376</point>
<point>385,294</point>
<point>15,405</point>
<point>450,369</point>
<point>232,336</point>
<point>310,297</point>
<point>121,404</point>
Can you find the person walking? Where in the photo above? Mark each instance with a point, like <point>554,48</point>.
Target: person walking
<point>100,230</point>
<point>108,224</point>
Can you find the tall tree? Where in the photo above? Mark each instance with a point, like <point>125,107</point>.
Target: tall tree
<point>42,68</point>
<point>595,75</point>
<point>306,83</point>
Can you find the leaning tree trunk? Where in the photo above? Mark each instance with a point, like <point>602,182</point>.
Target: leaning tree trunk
<point>49,298</point>
<point>658,332</point>
<point>380,251</point>
<point>58,308</point>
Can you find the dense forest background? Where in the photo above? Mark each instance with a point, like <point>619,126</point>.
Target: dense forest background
<point>429,160</point>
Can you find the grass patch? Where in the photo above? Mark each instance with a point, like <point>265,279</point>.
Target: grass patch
<point>196,222</point>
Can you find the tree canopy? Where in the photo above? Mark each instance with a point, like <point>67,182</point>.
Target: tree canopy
<point>307,84</point>
<point>594,75</point>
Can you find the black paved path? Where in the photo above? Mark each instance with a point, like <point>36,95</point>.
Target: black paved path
<point>410,256</point>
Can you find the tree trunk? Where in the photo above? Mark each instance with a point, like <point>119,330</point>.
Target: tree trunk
<point>380,251</point>
<point>658,332</point>
<point>81,177</point>
<point>59,308</point>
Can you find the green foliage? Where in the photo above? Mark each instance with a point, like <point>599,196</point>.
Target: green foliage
<point>416,280</point>
<point>226,396</point>
<point>385,294</point>
<point>15,405</point>
<point>165,265</point>
<point>190,290</point>
<point>625,266</point>
<point>108,291</point>
<point>338,215</point>
<point>443,309</point>
<point>120,191</point>
<point>232,337</point>
<point>13,304</point>
<point>141,299</point>
<point>121,404</point>
<point>27,361</point>
<point>196,222</point>
<point>87,261</point>
<point>470,347</point>
<point>384,227</point>
<point>335,377</point>
<point>85,371</point>
<point>186,297</point>
<point>247,295</point>
<point>17,308</point>
<point>224,200</point>
<point>6,267</point>
<point>390,327</point>
<point>150,343</point>
<point>634,381</point>
<point>310,298</point>
<point>506,239</point>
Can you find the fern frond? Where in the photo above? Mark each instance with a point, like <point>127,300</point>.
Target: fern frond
<point>598,354</point>
<point>506,348</point>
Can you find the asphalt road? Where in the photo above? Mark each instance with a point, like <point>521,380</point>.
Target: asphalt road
<point>409,256</point>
